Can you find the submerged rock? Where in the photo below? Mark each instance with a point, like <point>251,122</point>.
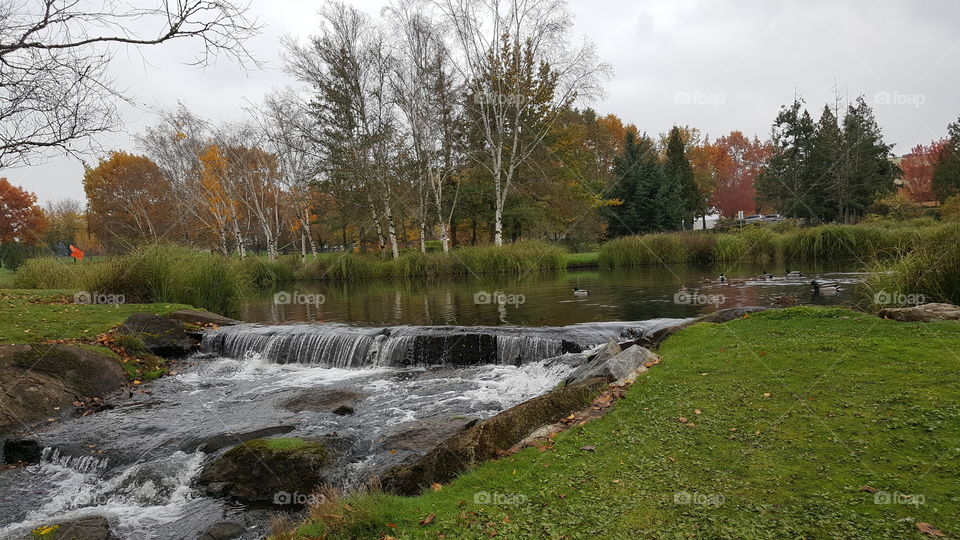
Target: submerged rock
<point>214,444</point>
<point>42,381</point>
<point>323,400</point>
<point>923,313</point>
<point>489,438</point>
<point>21,451</point>
<point>614,368</point>
<point>267,470</point>
<point>160,336</point>
<point>223,530</point>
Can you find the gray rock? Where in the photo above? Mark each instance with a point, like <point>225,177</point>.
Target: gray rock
<point>223,530</point>
<point>42,381</point>
<point>615,368</point>
<point>25,451</point>
<point>160,336</point>
<point>323,400</point>
<point>923,313</point>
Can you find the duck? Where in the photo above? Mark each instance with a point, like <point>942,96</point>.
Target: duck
<point>766,275</point>
<point>794,273</point>
<point>825,286</point>
<point>722,278</point>
<point>786,300</point>
<point>580,292</point>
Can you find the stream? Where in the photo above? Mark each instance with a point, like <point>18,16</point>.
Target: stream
<point>411,363</point>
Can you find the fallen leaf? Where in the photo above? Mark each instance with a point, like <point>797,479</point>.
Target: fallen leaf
<point>428,520</point>
<point>683,419</point>
<point>589,448</point>
<point>392,525</point>
<point>927,528</point>
<point>616,481</point>
<point>690,424</point>
<point>394,451</point>
<point>697,411</point>
<point>868,489</point>
<point>671,458</point>
<point>767,394</point>
<point>436,486</point>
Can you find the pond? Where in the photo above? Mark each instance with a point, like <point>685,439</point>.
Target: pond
<point>547,299</point>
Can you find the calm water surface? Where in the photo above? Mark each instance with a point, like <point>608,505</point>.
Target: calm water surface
<point>547,300</point>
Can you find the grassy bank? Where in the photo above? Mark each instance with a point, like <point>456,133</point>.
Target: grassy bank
<point>32,316</point>
<point>849,427</point>
<point>929,273</point>
<point>176,274</point>
<point>865,242</point>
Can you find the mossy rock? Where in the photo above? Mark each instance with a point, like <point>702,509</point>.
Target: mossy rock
<point>158,335</point>
<point>262,470</point>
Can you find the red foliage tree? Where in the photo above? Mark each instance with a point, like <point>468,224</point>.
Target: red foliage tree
<point>918,168</point>
<point>739,160</point>
<point>21,220</point>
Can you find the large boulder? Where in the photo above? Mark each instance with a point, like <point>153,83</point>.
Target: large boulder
<point>84,528</point>
<point>161,336</point>
<point>488,439</point>
<point>923,313</point>
<point>42,381</point>
<point>621,366</point>
<point>267,470</point>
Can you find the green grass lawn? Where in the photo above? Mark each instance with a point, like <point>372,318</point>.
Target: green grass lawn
<point>779,425</point>
<point>30,316</point>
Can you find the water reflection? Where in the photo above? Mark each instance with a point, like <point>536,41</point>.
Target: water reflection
<point>548,300</point>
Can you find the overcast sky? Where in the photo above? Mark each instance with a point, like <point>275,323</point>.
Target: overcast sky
<point>715,65</point>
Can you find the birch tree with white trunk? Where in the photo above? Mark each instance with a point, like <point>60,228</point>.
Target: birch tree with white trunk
<point>523,69</point>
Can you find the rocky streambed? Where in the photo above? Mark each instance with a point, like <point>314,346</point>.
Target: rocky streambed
<point>186,458</point>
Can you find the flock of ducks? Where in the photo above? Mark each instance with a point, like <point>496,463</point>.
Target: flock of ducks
<point>819,287</point>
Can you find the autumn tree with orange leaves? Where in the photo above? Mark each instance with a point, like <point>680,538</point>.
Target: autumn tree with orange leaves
<point>21,220</point>
<point>918,167</point>
<point>129,201</point>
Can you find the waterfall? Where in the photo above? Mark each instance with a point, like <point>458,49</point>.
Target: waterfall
<point>344,346</point>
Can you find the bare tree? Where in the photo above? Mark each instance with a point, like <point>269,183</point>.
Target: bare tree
<point>285,124</point>
<point>523,71</point>
<point>54,57</point>
<point>347,66</point>
<point>426,90</point>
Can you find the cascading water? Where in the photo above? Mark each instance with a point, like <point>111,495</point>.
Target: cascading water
<point>409,387</point>
<point>343,346</point>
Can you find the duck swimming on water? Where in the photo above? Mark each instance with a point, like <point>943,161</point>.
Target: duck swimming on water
<point>824,286</point>
<point>795,273</point>
<point>580,292</point>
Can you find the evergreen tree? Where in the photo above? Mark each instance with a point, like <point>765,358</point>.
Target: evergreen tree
<point>868,171</point>
<point>824,183</point>
<point>946,176</point>
<point>783,184</point>
<point>638,174</point>
<point>679,172</point>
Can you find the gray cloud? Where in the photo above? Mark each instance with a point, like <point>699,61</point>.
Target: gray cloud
<point>715,65</point>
